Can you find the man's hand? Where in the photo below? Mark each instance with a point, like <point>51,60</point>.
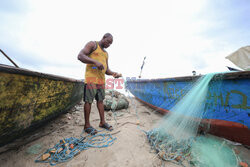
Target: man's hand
<point>116,75</point>
<point>99,65</point>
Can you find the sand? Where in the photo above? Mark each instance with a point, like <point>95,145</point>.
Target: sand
<point>130,149</point>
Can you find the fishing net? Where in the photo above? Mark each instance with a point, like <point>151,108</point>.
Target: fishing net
<point>115,101</point>
<point>175,139</point>
<point>211,151</point>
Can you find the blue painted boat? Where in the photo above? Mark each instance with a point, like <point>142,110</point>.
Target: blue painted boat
<point>227,105</point>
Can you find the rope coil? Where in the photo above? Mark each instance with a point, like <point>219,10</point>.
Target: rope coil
<point>68,148</point>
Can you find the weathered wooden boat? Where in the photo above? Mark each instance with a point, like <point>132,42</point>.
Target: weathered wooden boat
<point>227,104</point>
<point>28,99</point>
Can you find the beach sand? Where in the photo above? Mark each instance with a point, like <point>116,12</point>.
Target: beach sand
<point>131,147</point>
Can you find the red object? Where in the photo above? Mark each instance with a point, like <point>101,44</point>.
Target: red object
<point>71,146</point>
<point>178,158</point>
<point>243,164</point>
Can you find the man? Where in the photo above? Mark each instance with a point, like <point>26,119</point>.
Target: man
<point>96,58</point>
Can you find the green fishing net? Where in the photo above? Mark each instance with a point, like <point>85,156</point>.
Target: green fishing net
<point>212,152</point>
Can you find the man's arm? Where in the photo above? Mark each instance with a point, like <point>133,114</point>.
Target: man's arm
<point>87,50</point>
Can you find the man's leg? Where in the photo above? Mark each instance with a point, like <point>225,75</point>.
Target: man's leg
<point>103,123</point>
<point>87,109</point>
<point>100,107</point>
<point>100,96</point>
<point>89,95</point>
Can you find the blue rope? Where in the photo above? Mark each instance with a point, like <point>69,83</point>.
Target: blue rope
<point>67,153</point>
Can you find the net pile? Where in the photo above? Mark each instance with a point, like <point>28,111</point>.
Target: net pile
<point>167,147</point>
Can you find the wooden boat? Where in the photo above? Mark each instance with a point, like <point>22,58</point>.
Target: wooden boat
<point>28,99</point>
<point>227,104</point>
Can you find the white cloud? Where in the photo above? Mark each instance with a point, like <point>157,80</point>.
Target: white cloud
<point>169,33</point>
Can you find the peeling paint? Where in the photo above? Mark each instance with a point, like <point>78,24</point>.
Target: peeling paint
<point>30,100</point>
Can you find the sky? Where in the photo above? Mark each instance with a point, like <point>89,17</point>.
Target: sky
<point>176,36</point>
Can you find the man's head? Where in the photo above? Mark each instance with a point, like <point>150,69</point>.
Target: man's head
<point>107,40</point>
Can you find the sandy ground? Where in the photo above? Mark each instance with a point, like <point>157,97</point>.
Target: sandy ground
<point>130,149</point>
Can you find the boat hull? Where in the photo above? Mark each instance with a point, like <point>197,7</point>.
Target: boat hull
<point>29,99</point>
<point>227,105</point>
